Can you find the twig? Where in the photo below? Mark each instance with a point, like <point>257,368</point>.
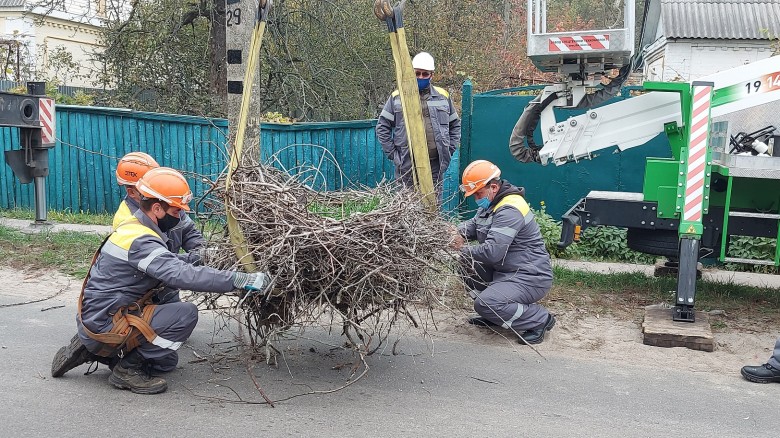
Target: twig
<point>484,380</point>
<point>34,301</point>
<point>257,385</point>
<point>331,391</point>
<point>52,307</point>
<point>366,255</point>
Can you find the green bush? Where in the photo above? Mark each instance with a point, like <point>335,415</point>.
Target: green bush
<point>753,248</point>
<point>610,243</point>
<point>52,90</point>
<point>550,228</point>
<point>597,243</point>
<point>604,243</point>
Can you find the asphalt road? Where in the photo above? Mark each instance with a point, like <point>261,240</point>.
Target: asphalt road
<point>463,389</point>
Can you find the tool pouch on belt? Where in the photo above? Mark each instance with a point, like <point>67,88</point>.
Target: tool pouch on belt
<point>130,323</point>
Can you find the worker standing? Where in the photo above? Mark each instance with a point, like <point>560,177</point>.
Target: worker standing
<point>129,268</point>
<point>442,126</point>
<point>509,268</point>
<point>184,236</point>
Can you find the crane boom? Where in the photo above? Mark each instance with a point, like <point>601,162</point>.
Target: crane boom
<point>632,122</point>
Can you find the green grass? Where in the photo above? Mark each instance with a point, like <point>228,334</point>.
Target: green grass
<point>69,252</point>
<point>345,210</point>
<point>64,217</point>
<point>709,295</point>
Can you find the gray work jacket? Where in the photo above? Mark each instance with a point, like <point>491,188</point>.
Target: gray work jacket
<point>134,260</point>
<point>510,242</point>
<point>391,131</point>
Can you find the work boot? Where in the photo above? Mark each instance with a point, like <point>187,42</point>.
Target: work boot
<point>761,374</point>
<point>130,373</point>
<point>536,334</point>
<point>481,322</point>
<point>71,356</point>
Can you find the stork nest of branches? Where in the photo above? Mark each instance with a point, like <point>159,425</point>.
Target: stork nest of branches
<point>364,260</point>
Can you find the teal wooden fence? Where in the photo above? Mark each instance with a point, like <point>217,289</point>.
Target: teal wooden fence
<point>488,119</point>
<point>346,154</point>
<point>91,140</point>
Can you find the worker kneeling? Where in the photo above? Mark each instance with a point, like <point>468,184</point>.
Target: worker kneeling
<point>118,324</point>
<point>509,269</point>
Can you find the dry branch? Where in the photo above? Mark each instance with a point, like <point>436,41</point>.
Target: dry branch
<point>365,259</point>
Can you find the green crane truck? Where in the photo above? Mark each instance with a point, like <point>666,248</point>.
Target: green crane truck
<point>722,180</point>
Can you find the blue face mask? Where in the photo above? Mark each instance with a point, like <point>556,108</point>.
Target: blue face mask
<point>423,83</point>
<point>483,202</point>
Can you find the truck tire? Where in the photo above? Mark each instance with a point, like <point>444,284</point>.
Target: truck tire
<point>655,242</point>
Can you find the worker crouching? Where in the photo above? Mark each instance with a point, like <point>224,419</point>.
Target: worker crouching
<point>118,321</point>
<point>509,268</point>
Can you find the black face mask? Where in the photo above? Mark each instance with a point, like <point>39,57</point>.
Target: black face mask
<point>167,222</point>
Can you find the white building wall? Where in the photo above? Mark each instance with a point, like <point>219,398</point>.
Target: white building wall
<point>79,40</point>
<point>686,60</point>
<point>40,39</point>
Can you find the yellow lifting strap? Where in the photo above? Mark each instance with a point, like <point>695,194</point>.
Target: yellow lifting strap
<point>237,237</point>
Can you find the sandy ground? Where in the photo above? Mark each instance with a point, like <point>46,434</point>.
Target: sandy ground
<point>608,339</point>
<point>577,334</point>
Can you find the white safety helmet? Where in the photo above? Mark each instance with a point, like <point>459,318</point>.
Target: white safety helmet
<point>423,61</point>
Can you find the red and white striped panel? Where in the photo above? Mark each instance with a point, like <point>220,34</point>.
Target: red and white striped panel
<point>46,113</point>
<point>575,43</point>
<point>697,152</point>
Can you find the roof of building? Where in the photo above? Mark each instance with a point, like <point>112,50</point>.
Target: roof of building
<point>11,3</point>
<point>721,19</point>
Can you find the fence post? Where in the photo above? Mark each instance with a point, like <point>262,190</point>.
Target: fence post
<point>465,127</point>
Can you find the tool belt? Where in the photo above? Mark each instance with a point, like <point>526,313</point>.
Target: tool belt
<point>130,323</point>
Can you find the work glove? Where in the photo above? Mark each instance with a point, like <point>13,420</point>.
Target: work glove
<point>255,283</point>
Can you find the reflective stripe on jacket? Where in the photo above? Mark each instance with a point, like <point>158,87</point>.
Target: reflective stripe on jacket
<point>134,260</point>
<point>391,131</point>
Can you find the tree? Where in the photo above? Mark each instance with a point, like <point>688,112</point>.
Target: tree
<point>321,59</point>
<point>159,57</point>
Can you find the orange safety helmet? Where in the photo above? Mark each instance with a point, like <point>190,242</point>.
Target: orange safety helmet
<point>477,175</point>
<point>167,185</point>
<point>133,166</point>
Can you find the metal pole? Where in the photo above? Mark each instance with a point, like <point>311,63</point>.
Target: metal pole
<point>537,16</point>
<point>543,12</point>
<point>40,157</point>
<point>686,280</point>
<point>40,200</point>
<point>628,22</point>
